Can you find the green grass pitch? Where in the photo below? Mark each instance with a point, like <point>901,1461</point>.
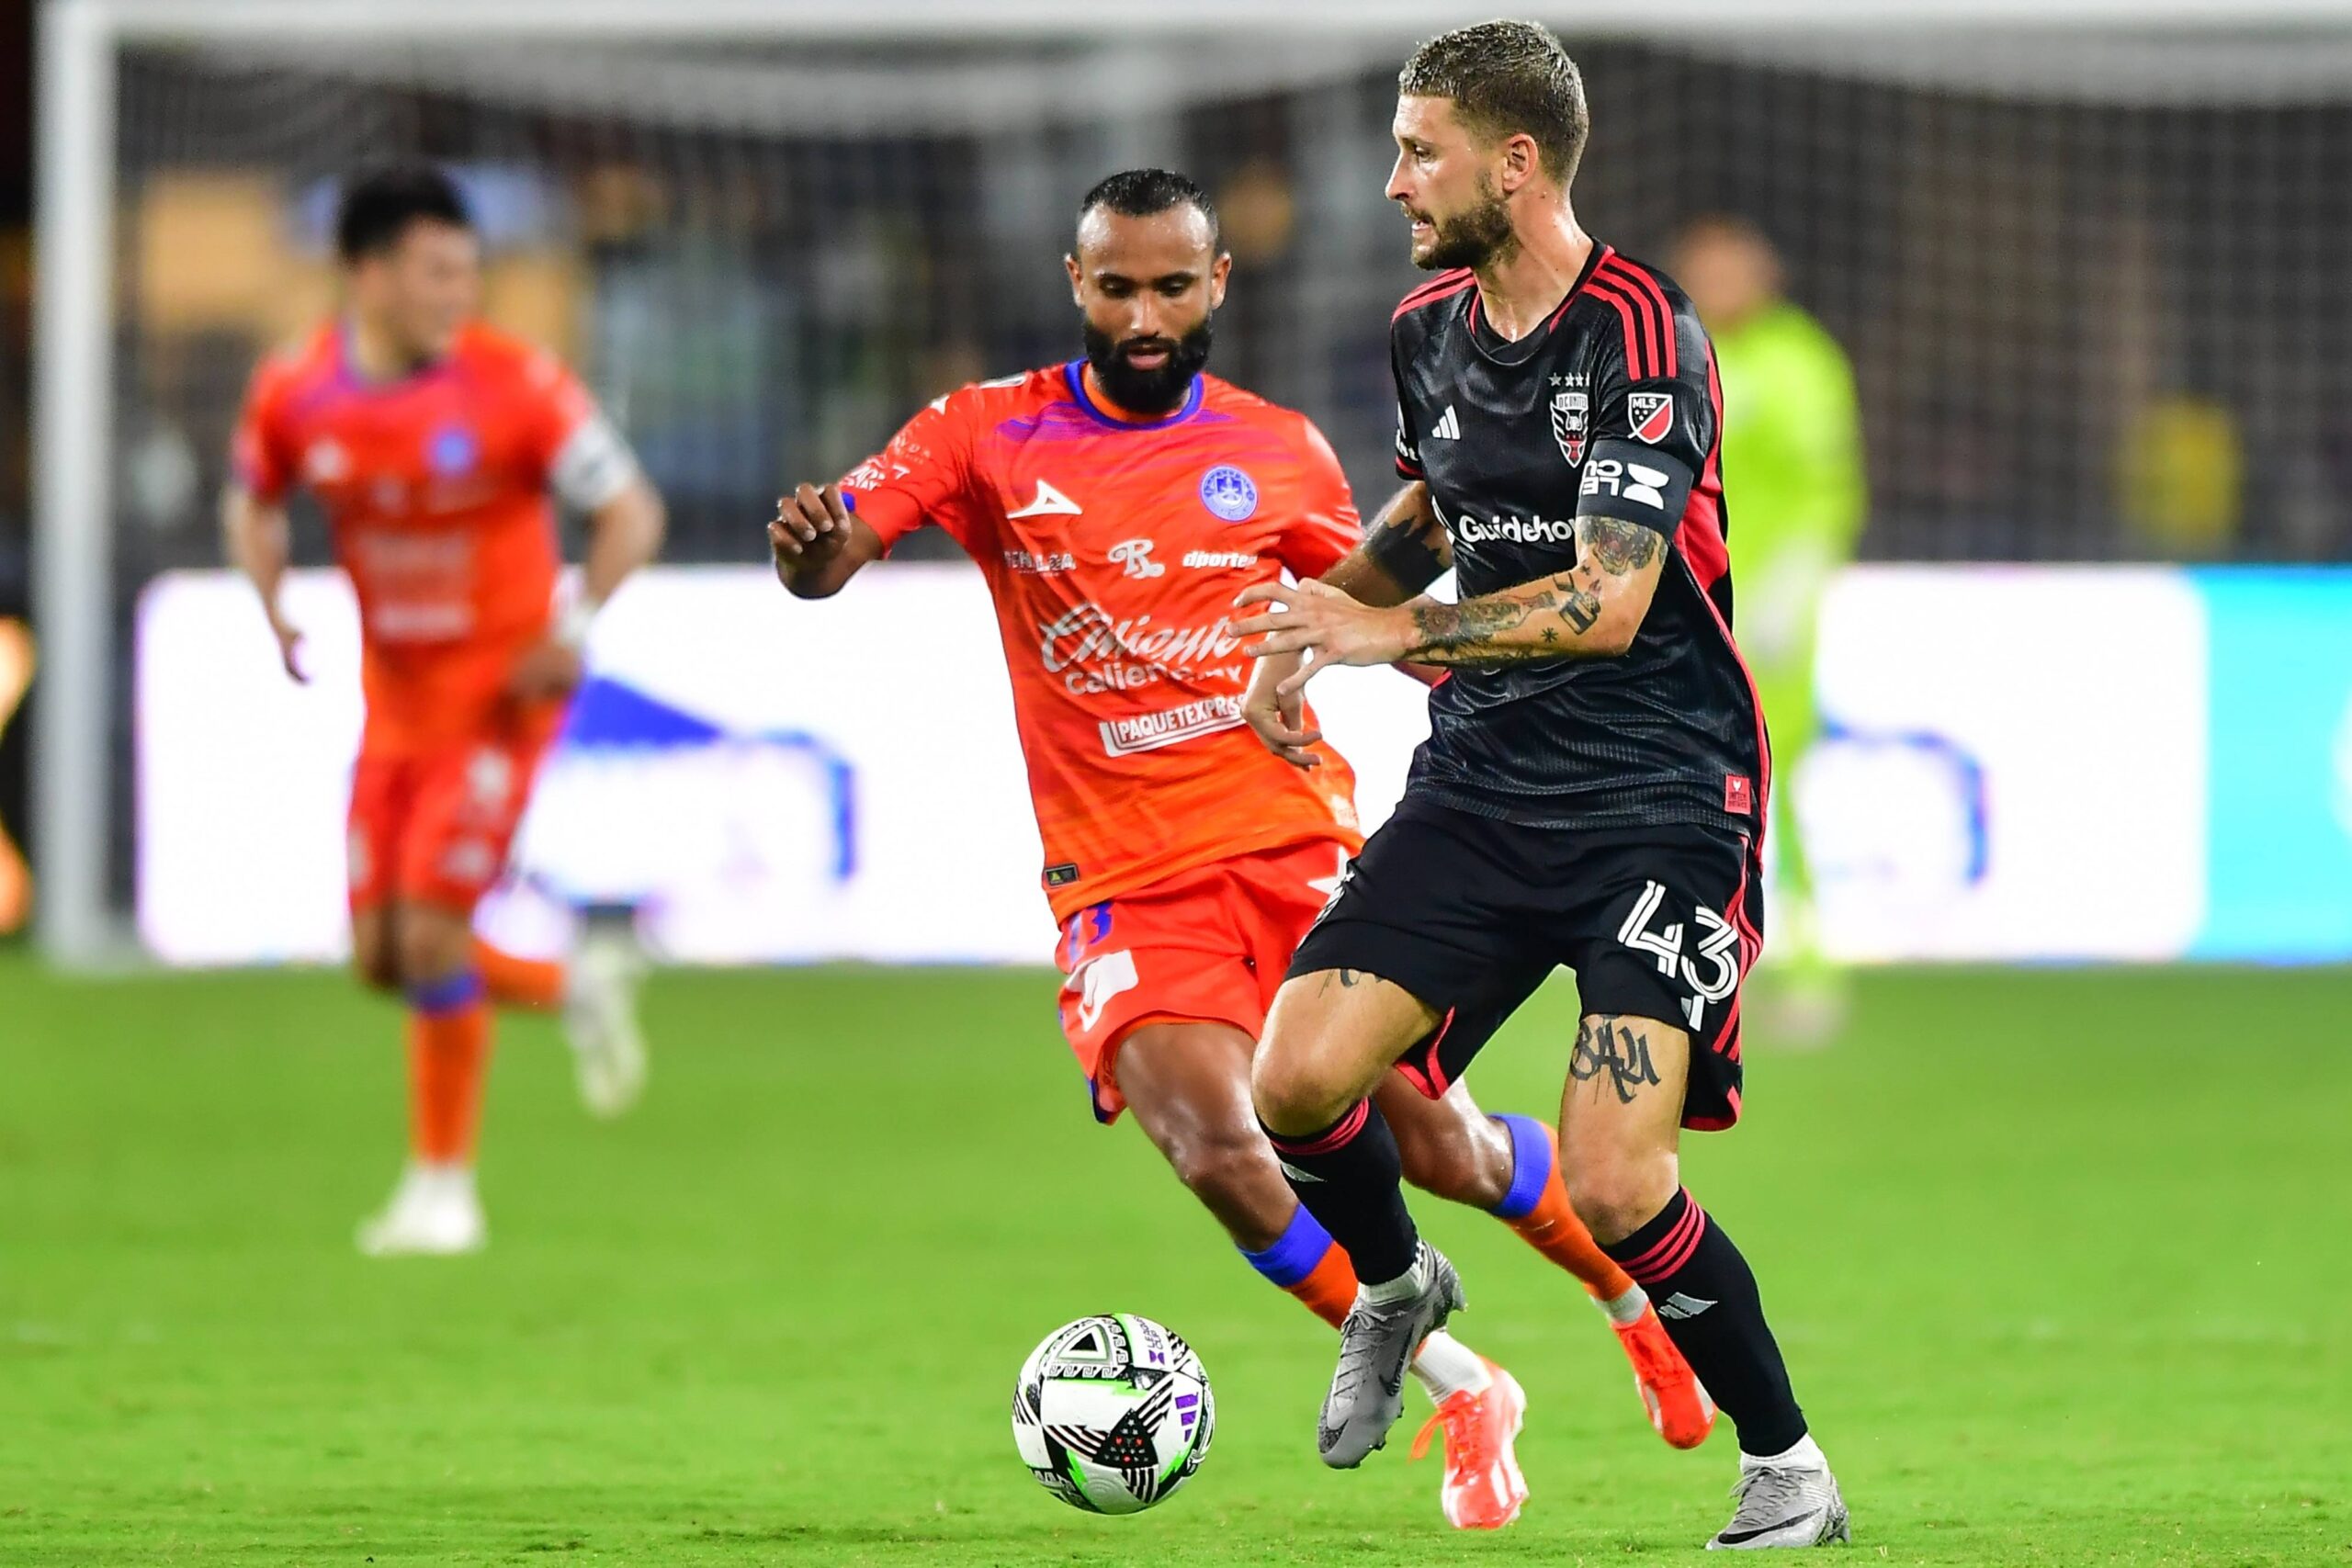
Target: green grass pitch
<point>2062,1261</point>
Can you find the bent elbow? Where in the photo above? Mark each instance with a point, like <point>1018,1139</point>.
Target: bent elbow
<point>1614,638</point>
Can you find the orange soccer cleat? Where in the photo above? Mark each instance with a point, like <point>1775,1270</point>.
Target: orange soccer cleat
<point>1679,1408</point>
<point>1483,1486</point>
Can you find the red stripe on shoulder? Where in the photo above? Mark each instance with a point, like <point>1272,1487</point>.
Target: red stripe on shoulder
<point>1445,279</point>
<point>1447,286</point>
<point>1637,351</point>
<point>1644,288</point>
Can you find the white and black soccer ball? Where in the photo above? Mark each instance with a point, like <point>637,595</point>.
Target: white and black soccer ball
<point>1112,1414</point>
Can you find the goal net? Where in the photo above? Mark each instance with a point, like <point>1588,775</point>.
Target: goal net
<point>2089,274</point>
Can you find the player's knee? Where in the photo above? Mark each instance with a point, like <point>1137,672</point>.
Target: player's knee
<point>374,958</point>
<point>1295,1095</point>
<point>1617,1194</point>
<point>433,948</point>
<point>377,966</point>
<point>1231,1170</point>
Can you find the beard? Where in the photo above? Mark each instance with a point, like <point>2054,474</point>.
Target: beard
<point>1472,238</point>
<point>1155,390</point>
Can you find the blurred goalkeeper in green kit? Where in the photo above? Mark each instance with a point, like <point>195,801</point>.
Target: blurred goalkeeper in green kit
<point>1793,453</point>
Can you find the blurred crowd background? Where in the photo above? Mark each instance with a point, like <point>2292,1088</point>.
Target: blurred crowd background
<point>2090,286</point>
<point>2091,319</point>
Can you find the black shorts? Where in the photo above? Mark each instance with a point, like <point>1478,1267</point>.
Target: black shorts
<point>1471,915</point>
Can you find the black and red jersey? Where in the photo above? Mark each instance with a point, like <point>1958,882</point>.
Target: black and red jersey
<point>1611,407</point>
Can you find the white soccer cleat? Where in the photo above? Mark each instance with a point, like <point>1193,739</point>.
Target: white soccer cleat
<point>1790,1499</point>
<point>600,1019</point>
<point>434,1213</point>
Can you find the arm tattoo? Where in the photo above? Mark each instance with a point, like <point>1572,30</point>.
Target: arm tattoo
<point>1470,625</point>
<point>1404,550</point>
<point>1608,1045</point>
<point>1467,633</point>
<point>1487,630</point>
<point>1580,607</point>
<point>1616,547</point>
<point>1401,546</point>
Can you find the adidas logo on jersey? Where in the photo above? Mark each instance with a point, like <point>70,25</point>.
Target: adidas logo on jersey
<point>1448,428</point>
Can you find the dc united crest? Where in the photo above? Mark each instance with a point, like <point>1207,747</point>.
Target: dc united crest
<point>1569,414</point>
<point>1228,492</point>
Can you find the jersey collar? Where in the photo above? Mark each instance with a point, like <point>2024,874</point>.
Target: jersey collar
<point>1075,374</point>
<point>1492,344</point>
<point>346,369</point>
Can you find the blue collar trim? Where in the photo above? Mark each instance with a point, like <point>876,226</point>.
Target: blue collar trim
<point>1075,374</point>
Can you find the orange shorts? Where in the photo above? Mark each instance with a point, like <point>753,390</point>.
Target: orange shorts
<point>1209,945</point>
<point>435,827</point>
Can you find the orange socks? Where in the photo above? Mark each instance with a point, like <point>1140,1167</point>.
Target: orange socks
<point>1309,1265</point>
<point>1306,1263</point>
<point>1537,1208</point>
<point>1330,1289</point>
<point>449,1048</point>
<point>519,982</point>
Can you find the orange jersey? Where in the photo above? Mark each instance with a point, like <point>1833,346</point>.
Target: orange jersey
<point>1113,549</point>
<point>435,489</point>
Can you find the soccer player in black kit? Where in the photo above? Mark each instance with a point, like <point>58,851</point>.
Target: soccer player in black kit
<point>1594,786</point>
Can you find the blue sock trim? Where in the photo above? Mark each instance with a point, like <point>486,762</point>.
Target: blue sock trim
<point>438,999</point>
<point>1295,1252</point>
<point>1531,1165</point>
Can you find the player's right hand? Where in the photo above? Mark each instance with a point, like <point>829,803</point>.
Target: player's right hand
<point>289,638</point>
<point>810,527</point>
<point>1279,719</point>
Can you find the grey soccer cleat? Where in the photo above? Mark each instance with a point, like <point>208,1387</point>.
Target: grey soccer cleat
<point>1376,1345</point>
<point>1784,1505</point>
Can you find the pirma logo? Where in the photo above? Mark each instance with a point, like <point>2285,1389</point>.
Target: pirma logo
<point>1098,980</point>
<point>1228,492</point>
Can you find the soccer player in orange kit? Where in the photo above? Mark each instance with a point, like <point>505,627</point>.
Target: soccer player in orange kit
<point>1115,505</point>
<point>431,441</point>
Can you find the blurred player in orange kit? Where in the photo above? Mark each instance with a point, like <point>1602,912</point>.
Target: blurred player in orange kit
<point>433,442</point>
<point>1116,504</point>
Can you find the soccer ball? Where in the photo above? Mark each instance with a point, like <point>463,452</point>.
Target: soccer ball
<point>1112,1414</point>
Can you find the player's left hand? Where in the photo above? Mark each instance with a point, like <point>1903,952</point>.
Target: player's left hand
<point>1279,718</point>
<point>1327,625</point>
<point>551,668</point>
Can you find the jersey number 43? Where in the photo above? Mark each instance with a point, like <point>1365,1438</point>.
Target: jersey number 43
<point>1712,974</point>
